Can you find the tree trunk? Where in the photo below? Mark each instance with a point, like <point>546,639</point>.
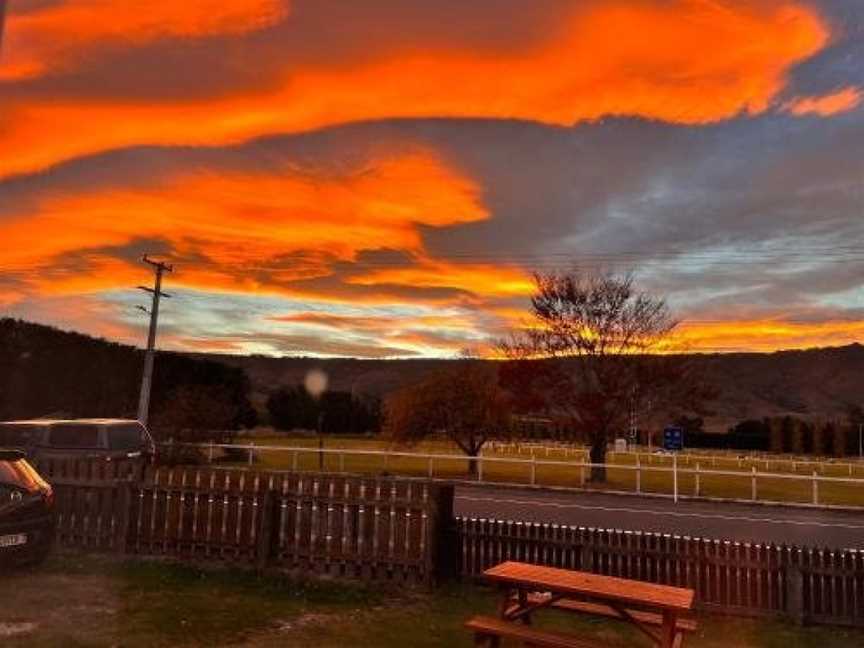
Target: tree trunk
<point>472,465</point>
<point>598,456</point>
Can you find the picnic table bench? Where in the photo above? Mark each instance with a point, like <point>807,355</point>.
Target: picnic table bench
<point>654,609</point>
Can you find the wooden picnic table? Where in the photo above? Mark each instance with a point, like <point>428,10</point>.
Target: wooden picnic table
<point>529,588</point>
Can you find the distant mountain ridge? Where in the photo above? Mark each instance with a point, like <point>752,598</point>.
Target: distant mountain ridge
<point>814,384</point>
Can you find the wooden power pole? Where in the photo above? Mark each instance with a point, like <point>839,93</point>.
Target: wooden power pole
<point>159,268</point>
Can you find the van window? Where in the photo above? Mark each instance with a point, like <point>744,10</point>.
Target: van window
<point>125,436</point>
<point>13,436</point>
<point>73,435</point>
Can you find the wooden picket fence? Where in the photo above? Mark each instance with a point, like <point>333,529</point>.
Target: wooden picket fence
<point>404,530</point>
<point>805,584</point>
<point>91,499</point>
<point>338,525</point>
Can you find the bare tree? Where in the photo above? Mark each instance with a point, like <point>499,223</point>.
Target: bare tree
<point>464,402</point>
<point>589,355</point>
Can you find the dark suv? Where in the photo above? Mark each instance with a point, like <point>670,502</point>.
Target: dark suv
<point>26,512</point>
<point>107,438</point>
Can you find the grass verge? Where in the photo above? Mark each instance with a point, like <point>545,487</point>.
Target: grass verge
<point>78,601</point>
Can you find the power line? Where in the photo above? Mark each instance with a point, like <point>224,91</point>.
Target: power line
<point>159,268</point>
<point>566,260</point>
<point>673,258</point>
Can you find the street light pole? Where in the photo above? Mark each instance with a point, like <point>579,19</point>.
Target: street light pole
<point>316,384</point>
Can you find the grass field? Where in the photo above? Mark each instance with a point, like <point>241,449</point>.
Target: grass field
<point>79,601</point>
<point>655,474</point>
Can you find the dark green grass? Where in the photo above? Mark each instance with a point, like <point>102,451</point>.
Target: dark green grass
<point>98,602</point>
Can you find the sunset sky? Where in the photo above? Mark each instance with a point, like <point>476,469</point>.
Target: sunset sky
<point>380,178</point>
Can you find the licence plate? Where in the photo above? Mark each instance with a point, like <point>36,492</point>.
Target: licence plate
<point>13,540</point>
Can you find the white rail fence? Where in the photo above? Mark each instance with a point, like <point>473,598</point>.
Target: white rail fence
<point>851,465</point>
<point>529,473</point>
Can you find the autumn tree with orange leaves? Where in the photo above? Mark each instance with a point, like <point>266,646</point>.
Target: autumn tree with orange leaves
<point>464,403</point>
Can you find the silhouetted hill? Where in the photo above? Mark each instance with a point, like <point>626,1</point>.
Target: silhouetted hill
<point>48,372</point>
<point>816,383</point>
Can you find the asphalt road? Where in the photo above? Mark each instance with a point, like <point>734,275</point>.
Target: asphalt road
<point>742,522</point>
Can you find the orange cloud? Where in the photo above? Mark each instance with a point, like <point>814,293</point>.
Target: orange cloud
<point>59,34</point>
<point>208,345</point>
<point>492,280</point>
<point>378,324</point>
<point>241,229</point>
<point>825,105</point>
<point>100,273</point>
<point>764,335</point>
<point>687,61</point>
<point>412,333</point>
<point>744,335</point>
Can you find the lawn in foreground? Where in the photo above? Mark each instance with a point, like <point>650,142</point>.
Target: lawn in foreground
<point>79,600</point>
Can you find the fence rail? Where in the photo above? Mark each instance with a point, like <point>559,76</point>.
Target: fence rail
<point>740,458</point>
<point>811,487</point>
<point>340,525</point>
<point>808,585</point>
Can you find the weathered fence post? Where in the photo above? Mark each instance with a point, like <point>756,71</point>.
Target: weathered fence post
<point>121,539</point>
<point>638,474</point>
<point>753,484</point>
<point>429,461</point>
<point>210,452</point>
<point>697,490</point>
<point>251,452</point>
<point>442,546</point>
<point>266,526</point>
<point>795,593</point>
<point>815,488</point>
<point>586,556</point>
<point>533,470</point>
<point>675,478</point>
<point>480,467</point>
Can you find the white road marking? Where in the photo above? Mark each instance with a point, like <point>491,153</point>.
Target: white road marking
<point>714,516</point>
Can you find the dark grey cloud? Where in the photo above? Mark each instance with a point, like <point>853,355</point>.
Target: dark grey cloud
<point>308,344</point>
<point>839,64</point>
<point>776,196</point>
